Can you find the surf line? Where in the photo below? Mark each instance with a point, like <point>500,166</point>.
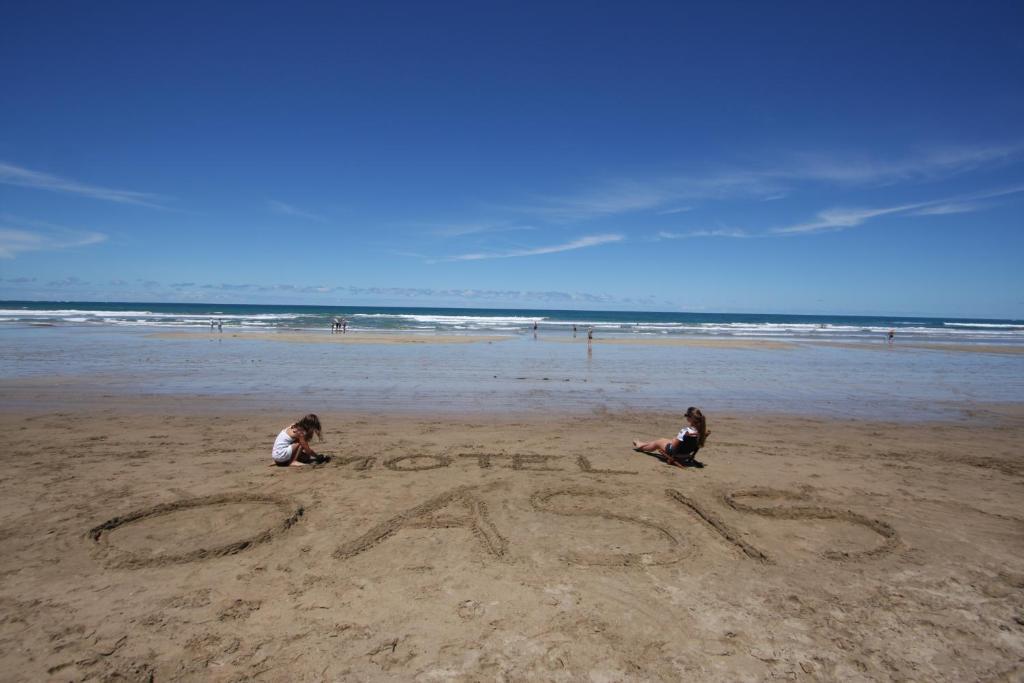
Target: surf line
<point>521,462</point>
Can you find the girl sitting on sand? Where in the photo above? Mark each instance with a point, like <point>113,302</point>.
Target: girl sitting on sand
<point>690,438</point>
<point>291,447</point>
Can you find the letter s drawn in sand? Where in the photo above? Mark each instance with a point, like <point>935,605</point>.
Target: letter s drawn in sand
<point>541,501</point>
<point>430,515</point>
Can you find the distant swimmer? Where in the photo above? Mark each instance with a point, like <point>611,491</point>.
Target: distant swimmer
<point>892,335</point>
<point>344,325</point>
<point>213,324</point>
<point>574,331</point>
<point>590,335</point>
<point>335,325</point>
<point>220,325</point>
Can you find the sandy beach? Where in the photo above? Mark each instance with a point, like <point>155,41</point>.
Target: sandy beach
<point>155,543</point>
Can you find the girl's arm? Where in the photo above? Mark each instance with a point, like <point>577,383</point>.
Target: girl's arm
<point>303,444</point>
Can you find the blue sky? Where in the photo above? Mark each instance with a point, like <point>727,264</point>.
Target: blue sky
<point>736,157</point>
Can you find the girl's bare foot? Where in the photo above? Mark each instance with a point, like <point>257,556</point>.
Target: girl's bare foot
<point>636,445</point>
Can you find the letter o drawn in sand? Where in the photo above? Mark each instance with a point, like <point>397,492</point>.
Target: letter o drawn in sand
<point>541,501</point>
<point>131,523</point>
<point>439,462</point>
<point>891,538</point>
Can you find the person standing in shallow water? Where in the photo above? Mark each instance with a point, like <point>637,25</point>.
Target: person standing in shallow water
<point>892,335</point>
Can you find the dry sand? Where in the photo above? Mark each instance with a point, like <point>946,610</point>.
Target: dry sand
<point>148,546</point>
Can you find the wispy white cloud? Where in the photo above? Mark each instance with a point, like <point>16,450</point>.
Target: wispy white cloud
<point>841,219</point>
<point>947,209</point>
<point>933,163</point>
<point>289,210</point>
<point>70,281</point>
<point>719,232</point>
<point>463,229</point>
<point>581,243</point>
<point>19,235</point>
<point>833,220</point>
<point>626,196</point>
<point>765,183</point>
<point>23,177</point>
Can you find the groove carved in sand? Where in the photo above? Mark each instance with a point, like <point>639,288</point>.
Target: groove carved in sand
<point>358,462</point>
<point>541,501</point>
<point>715,522</point>
<point>891,538</point>
<point>439,461</point>
<point>433,515</point>
<point>116,557</point>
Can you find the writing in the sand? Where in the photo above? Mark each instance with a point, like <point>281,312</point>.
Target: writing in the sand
<point>519,462</point>
<point>466,508</point>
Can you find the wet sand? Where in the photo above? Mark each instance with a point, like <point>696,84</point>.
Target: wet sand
<point>400,338</point>
<point>1001,349</point>
<point>754,344</point>
<point>149,540</point>
<point>308,337</point>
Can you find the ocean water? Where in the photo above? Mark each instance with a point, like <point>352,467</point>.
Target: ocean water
<point>111,350</point>
<point>517,322</point>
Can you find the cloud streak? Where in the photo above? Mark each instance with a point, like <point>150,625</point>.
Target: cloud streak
<point>23,177</point>
<point>478,228</point>
<point>289,210</point>
<point>661,195</point>
<point>833,220</point>
<point>18,236</point>
<point>720,232</point>
<point>581,243</point>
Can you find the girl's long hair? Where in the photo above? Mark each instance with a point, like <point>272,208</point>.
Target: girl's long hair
<point>699,422</point>
<point>310,425</point>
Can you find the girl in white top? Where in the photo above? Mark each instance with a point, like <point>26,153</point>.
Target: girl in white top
<point>291,447</point>
<point>694,433</point>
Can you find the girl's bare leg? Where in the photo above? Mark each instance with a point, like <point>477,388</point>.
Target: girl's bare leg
<point>656,446</point>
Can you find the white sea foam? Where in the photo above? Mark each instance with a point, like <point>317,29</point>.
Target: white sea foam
<point>448,319</point>
<point>986,325</point>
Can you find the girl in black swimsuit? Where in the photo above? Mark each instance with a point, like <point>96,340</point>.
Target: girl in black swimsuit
<point>687,442</point>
